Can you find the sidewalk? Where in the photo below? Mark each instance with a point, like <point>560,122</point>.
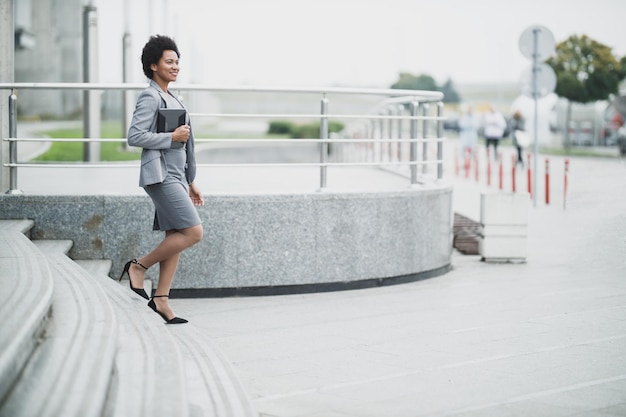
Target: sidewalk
<point>545,338</point>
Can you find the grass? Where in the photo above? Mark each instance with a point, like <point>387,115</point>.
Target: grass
<point>111,151</point>
<point>73,151</point>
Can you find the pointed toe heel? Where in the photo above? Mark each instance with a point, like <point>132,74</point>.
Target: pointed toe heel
<point>173,320</point>
<point>126,270</point>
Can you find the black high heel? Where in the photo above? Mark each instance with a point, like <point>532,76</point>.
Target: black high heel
<point>126,271</point>
<point>175,320</point>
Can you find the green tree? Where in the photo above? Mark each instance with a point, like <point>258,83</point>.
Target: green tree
<point>586,71</point>
<point>407,81</point>
<point>450,94</point>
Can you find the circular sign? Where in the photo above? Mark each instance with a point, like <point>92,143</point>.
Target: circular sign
<point>546,47</point>
<point>546,81</point>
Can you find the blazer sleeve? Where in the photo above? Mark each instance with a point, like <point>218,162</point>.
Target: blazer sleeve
<point>142,131</point>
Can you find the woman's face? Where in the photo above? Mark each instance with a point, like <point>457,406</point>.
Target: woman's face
<point>166,69</point>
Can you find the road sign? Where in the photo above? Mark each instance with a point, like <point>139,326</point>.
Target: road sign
<point>546,47</point>
<point>546,81</point>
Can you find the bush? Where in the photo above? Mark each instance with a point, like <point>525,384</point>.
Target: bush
<point>312,130</point>
<point>280,127</point>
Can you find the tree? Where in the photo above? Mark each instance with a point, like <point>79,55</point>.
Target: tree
<point>450,94</point>
<point>586,70</point>
<point>409,81</point>
<point>425,82</point>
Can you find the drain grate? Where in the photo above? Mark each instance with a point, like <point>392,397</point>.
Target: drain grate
<point>465,231</point>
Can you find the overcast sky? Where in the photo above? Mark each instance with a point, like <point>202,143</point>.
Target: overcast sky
<point>348,42</point>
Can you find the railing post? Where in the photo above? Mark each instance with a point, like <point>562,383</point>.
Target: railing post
<point>439,140</point>
<point>391,113</point>
<point>400,114</point>
<point>425,110</point>
<point>371,147</point>
<point>91,98</point>
<point>13,145</point>
<point>323,144</point>
<point>414,135</point>
<point>379,145</point>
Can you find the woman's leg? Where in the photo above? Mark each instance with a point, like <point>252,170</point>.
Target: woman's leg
<point>167,270</point>
<point>174,243</point>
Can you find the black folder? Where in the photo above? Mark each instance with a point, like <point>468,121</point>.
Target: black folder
<point>169,119</point>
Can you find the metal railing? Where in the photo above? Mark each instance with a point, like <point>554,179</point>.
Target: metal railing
<point>376,138</point>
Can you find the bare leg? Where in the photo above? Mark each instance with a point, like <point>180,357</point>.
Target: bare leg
<point>167,254</point>
<point>167,269</point>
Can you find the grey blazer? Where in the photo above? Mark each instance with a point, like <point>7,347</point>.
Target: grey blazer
<point>142,133</point>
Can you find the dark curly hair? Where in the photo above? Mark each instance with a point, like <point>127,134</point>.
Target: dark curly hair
<point>153,51</point>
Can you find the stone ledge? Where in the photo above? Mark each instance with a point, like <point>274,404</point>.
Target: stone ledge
<point>69,372</point>
<point>25,302</point>
<point>261,240</point>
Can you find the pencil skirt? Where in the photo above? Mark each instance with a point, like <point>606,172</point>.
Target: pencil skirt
<point>173,206</point>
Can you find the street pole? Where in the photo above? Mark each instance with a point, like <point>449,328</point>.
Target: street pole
<point>535,99</point>
<point>91,98</point>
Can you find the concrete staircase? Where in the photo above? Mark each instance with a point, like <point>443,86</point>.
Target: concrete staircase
<point>74,342</point>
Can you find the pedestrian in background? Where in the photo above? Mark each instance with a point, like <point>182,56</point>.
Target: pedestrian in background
<point>494,128</point>
<point>518,134</point>
<point>468,132</point>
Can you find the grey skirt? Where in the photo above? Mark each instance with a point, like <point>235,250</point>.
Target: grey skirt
<point>174,208</point>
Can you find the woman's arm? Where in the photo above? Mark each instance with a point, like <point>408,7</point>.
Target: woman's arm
<point>140,132</point>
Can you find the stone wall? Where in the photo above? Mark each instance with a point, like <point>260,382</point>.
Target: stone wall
<point>263,244</point>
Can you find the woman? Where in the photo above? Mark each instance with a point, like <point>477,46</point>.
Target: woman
<point>167,173</point>
<point>495,126</point>
<point>468,132</point>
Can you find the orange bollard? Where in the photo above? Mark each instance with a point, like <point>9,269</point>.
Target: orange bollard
<point>529,172</point>
<point>500,172</point>
<point>514,165</point>
<point>488,168</point>
<point>565,183</point>
<point>476,167</point>
<point>547,181</point>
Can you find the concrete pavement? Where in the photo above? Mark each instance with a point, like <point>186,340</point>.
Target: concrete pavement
<point>544,338</point>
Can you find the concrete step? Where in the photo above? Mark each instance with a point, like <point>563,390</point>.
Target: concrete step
<point>54,246</point>
<point>25,302</point>
<point>148,377</point>
<point>103,267</point>
<point>21,225</point>
<point>69,373</point>
<point>214,388</point>
<point>95,266</point>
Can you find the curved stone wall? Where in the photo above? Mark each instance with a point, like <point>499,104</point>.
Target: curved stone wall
<point>264,244</point>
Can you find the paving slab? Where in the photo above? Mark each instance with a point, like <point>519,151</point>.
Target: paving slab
<point>543,338</point>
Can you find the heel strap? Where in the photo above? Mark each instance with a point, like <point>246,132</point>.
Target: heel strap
<point>157,296</point>
<point>136,262</point>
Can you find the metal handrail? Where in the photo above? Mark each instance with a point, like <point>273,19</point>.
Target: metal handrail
<point>423,95</point>
<point>389,111</point>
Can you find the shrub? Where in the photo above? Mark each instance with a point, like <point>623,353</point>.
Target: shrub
<point>280,127</point>
<point>312,130</point>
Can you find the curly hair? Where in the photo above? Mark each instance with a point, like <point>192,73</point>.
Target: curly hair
<point>153,51</point>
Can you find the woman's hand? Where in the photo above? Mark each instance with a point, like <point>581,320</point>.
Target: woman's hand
<point>181,134</point>
<point>195,195</point>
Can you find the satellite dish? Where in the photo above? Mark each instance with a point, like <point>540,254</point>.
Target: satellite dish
<point>546,47</point>
<point>546,81</point>
<point>620,106</point>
